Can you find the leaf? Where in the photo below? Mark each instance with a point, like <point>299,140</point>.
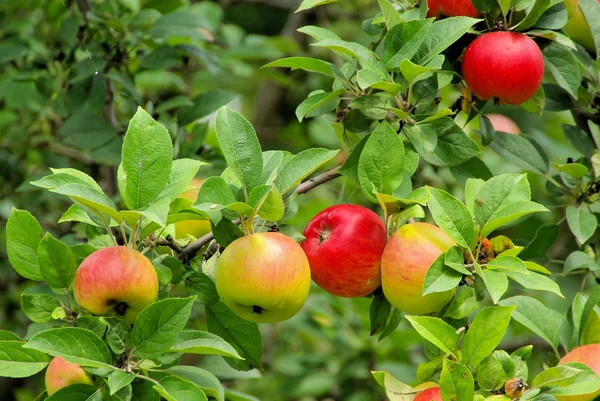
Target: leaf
<point>379,312</point>
<point>182,172</point>
<point>403,41</point>
<point>77,392</point>
<point>202,286</point>
<point>57,262</point>
<point>442,34</point>
<point>301,166</point>
<point>490,374</point>
<point>174,388</point>
<point>485,333</point>
<point>545,236</point>
<point>562,63</point>
<point>318,104</point>
<point>535,281</point>
<point>533,14</point>
<point>205,104</point>
<point>16,361</point>
<point>145,162</point>
<point>558,376</point>
<point>240,147</point>
<point>496,284</point>
<point>452,216</point>
<point>579,139</point>
<point>575,170</point>
<point>508,264</point>
<point>158,324</point>
<point>118,334</point>
<point>201,378</point>
<point>440,277</point>
<point>74,344</point>
<point>581,222</point>
<point>591,303</point>
<point>366,57</point>
<point>242,335</point>
<point>536,317</point>
<point>38,307</point>
<point>390,14</point>
<point>497,192</point>
<point>308,4</point>
<point>463,304</point>
<point>473,168</point>
<point>456,382</point>
<point>391,325</point>
<point>394,389</point>
<point>204,343</point>
<point>308,64</point>
<point>23,235</point>
<point>436,331</point>
<point>119,379</point>
<point>520,151</point>
<point>381,162</point>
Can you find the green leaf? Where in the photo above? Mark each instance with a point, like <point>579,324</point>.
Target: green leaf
<point>440,277</point>
<point>308,64</point>
<point>77,392</point>
<point>558,376</point>
<point>57,263</point>
<point>411,71</point>
<point>74,344</point>
<point>535,281</point>
<point>520,151</point>
<point>301,166</point>
<point>508,264</point>
<point>142,390</point>
<point>16,361</point>
<point>452,216</point>
<point>533,14</point>
<point>575,170</point>
<point>381,162</point>
<point>182,172</point>
<point>456,382</point>
<point>490,374</point>
<point>318,104</point>
<point>536,317</point>
<point>545,236</point>
<point>308,4</point>
<point>436,331</point>
<point>379,312</point>
<point>390,14</point>
<point>158,324</point>
<point>591,303</point>
<point>394,389</point>
<point>581,222</point>
<point>240,147</point>
<point>591,12</point>
<point>473,168</point>
<point>145,162</point>
<point>366,57</point>
<point>118,334</point>
<point>205,104</point>
<point>119,379</point>
<point>496,284</point>
<point>463,304</point>
<point>498,192</point>
<point>203,287</point>
<point>391,325</point>
<point>38,307</point>
<point>174,388</point>
<point>23,235</point>
<point>485,333</point>
<point>204,343</point>
<point>242,335</point>
<point>403,41</point>
<point>562,63</point>
<point>203,379</point>
<point>442,34</point>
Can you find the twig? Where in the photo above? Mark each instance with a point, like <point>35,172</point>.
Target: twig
<point>194,247</point>
<point>170,242</point>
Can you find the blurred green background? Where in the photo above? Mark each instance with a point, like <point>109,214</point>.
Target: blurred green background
<point>72,73</point>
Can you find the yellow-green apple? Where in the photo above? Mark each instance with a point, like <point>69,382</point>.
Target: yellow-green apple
<point>590,356</point>
<point>116,281</point>
<point>502,123</point>
<point>503,66</point>
<point>195,228</point>
<point>344,244</point>
<point>61,373</point>
<point>430,394</point>
<point>263,277</point>
<point>405,261</point>
<point>577,26</point>
<point>451,8</point>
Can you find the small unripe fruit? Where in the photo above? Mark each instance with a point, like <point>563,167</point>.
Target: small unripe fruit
<point>578,27</point>
<point>430,394</point>
<point>344,244</point>
<point>502,123</point>
<point>116,281</point>
<point>409,253</point>
<point>263,277</point>
<point>503,66</point>
<point>195,228</point>
<point>590,356</point>
<point>61,374</point>
<point>451,8</point>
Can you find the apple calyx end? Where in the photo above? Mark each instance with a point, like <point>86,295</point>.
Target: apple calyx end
<point>119,307</point>
<point>257,309</point>
<point>323,236</point>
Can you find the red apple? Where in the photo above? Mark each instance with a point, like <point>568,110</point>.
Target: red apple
<point>61,373</point>
<point>431,394</point>
<point>405,261</point>
<point>344,244</point>
<point>502,123</point>
<point>195,228</point>
<point>263,277</point>
<point>590,356</point>
<point>451,8</point>
<point>504,66</point>
<point>116,281</point>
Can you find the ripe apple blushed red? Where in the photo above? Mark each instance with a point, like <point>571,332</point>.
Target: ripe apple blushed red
<point>116,281</point>
<point>263,277</point>
<point>451,8</point>
<point>61,374</point>
<point>504,66</point>
<point>430,394</point>
<point>590,356</point>
<point>344,244</point>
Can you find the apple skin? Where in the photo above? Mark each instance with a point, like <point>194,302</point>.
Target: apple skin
<point>502,123</point>
<point>344,244</point>
<point>590,356</point>
<point>61,374</point>
<point>405,261</point>
<point>451,8</point>
<point>577,26</point>
<point>195,228</point>
<point>116,281</point>
<point>430,394</point>
<point>263,277</point>
<point>508,66</point>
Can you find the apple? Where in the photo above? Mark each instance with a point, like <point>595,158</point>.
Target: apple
<point>503,66</point>
<point>344,244</point>
<point>451,8</point>
<point>405,261</point>
<point>577,26</point>
<point>502,123</point>
<point>116,281</point>
<point>263,277</point>
<point>430,394</point>
<point>590,356</point>
<point>61,374</point>
<point>195,228</point>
